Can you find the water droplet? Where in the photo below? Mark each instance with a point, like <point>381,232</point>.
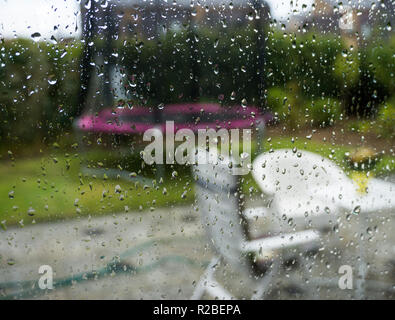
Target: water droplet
<point>36,36</point>
<point>216,43</point>
<point>104,4</point>
<point>51,80</point>
<point>356,210</point>
<point>244,156</point>
<point>10,262</point>
<point>244,103</point>
<point>87,4</point>
<point>216,69</point>
<point>327,210</point>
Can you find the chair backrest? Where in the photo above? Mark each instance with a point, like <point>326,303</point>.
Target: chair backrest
<point>299,177</point>
<point>218,203</point>
<point>288,173</point>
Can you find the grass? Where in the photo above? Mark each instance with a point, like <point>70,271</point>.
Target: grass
<point>52,187</point>
<point>336,153</point>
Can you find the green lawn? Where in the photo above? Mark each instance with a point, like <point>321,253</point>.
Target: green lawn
<point>52,187</point>
<point>336,153</point>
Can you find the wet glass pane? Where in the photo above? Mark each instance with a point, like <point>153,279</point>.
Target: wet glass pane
<point>205,149</point>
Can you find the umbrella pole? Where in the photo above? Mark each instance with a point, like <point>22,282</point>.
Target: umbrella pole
<point>259,6</point>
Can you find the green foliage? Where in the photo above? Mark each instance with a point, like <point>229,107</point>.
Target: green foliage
<point>276,99</point>
<point>346,70</point>
<point>324,111</point>
<point>382,125</point>
<point>40,83</point>
<point>225,65</point>
<point>381,62</point>
<point>376,78</point>
<point>39,91</point>
<point>386,119</point>
<point>360,125</point>
<point>307,60</point>
<point>287,106</point>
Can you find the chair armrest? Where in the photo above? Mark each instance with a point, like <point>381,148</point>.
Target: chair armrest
<point>305,213</point>
<point>255,212</point>
<point>281,242</point>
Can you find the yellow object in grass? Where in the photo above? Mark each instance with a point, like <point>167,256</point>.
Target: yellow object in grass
<point>361,180</point>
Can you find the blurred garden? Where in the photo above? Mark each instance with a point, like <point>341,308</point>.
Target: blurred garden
<point>325,95</point>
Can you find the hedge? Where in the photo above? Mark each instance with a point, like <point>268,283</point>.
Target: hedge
<point>40,82</point>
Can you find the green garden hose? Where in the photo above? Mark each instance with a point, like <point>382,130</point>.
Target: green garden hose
<point>115,267</point>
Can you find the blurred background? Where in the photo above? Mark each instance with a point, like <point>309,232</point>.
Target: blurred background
<point>321,72</point>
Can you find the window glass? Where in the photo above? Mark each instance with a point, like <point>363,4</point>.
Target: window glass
<point>197,149</point>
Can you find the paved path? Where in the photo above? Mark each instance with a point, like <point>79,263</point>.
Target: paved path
<point>168,237</point>
<point>83,245</point>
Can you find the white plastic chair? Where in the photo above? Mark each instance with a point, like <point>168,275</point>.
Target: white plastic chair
<point>312,191</point>
<point>221,210</point>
